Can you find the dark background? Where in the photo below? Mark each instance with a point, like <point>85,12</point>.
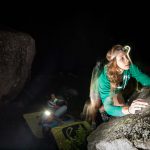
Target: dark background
<point>68,41</point>
<point>71,39</point>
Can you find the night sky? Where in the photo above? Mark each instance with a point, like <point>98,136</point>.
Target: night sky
<point>71,39</point>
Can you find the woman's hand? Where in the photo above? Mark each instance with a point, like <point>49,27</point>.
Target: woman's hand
<point>137,105</point>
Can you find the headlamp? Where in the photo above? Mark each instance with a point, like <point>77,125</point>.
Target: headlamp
<point>127,49</point>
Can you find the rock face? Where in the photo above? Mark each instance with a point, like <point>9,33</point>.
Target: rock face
<point>17,51</point>
<point>128,132</point>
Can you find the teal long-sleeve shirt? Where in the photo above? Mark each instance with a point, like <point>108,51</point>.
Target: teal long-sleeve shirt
<point>106,94</point>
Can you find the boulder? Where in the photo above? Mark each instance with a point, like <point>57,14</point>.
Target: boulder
<point>127,132</point>
<point>17,51</point>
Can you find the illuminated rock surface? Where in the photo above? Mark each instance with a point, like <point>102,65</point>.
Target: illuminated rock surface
<point>128,132</point>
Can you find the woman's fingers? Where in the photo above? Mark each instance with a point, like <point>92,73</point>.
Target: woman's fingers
<point>137,108</point>
<point>140,102</point>
<point>138,105</point>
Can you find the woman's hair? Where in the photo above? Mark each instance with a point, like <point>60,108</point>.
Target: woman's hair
<point>113,70</point>
<point>112,53</point>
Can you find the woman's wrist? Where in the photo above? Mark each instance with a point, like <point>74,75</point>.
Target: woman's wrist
<point>125,110</point>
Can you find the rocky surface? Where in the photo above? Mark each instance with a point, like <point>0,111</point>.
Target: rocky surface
<point>17,51</point>
<point>128,132</point>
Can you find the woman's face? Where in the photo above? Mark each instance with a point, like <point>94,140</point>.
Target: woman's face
<point>122,61</point>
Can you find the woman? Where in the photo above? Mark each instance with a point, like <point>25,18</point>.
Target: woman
<point>107,84</point>
<point>114,78</point>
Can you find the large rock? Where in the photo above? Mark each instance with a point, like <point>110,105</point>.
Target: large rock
<point>128,132</point>
<point>17,52</point>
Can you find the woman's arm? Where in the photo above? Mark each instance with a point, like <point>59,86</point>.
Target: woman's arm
<point>106,96</point>
<point>139,76</point>
<point>112,110</point>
